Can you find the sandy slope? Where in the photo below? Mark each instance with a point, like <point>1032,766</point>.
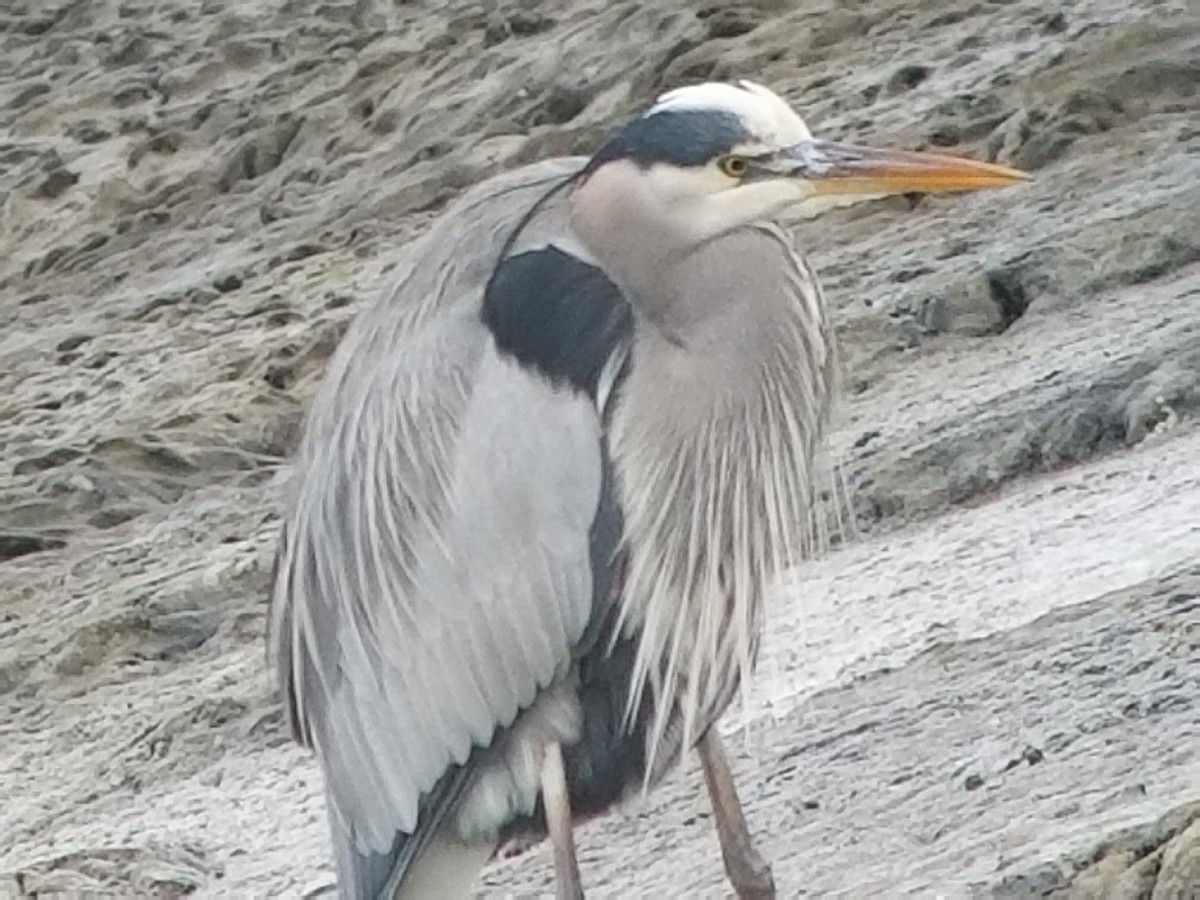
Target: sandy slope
<point>978,695</point>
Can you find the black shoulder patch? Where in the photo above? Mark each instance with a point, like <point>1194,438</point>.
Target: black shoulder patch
<point>558,314</point>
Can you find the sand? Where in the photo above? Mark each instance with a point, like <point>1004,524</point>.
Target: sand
<point>991,691</point>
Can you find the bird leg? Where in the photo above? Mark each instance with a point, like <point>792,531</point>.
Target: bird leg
<point>558,821</point>
<point>748,873</point>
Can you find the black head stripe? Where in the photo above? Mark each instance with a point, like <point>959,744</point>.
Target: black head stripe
<point>685,137</point>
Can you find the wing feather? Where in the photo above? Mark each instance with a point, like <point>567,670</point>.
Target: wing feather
<point>435,572</point>
<point>419,654</point>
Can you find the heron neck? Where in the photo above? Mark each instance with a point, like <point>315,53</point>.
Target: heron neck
<point>633,240</point>
<point>716,440</point>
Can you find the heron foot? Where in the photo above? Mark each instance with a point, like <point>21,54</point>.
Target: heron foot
<point>747,871</point>
<point>749,874</point>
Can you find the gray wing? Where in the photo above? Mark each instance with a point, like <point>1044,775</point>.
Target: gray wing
<point>435,569</point>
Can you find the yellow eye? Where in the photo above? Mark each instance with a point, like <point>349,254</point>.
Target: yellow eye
<point>733,166</point>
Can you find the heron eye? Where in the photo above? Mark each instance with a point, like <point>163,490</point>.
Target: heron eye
<point>733,166</point>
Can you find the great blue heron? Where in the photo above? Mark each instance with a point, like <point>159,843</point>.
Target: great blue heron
<point>547,480</point>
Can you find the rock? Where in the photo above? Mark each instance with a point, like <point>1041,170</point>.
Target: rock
<point>1032,139</point>
<point>56,183</point>
<point>1178,877</point>
<point>730,21</point>
<point>1155,861</point>
<point>161,871</point>
<point>52,460</point>
<point>229,282</point>
<point>907,77</point>
<point>262,152</point>
<point>29,93</point>
<point>987,304</point>
<point>14,544</point>
<point>88,132</point>
<point>1099,881</point>
<point>517,23</point>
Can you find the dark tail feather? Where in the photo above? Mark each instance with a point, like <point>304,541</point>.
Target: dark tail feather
<point>373,876</point>
<point>364,876</point>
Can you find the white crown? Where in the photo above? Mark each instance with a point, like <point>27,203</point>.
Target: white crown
<point>764,113</point>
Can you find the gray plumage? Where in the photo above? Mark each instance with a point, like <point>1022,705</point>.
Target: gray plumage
<point>544,487</point>
<point>432,535</point>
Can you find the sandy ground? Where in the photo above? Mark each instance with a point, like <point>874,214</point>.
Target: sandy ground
<point>992,691</point>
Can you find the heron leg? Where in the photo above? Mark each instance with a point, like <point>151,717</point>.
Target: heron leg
<point>747,871</point>
<point>558,820</point>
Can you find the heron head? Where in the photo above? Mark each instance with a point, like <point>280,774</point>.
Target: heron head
<point>709,158</point>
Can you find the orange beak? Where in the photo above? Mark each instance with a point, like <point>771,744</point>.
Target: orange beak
<point>834,168</point>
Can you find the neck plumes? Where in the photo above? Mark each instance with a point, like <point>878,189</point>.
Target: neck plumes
<point>715,439</point>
